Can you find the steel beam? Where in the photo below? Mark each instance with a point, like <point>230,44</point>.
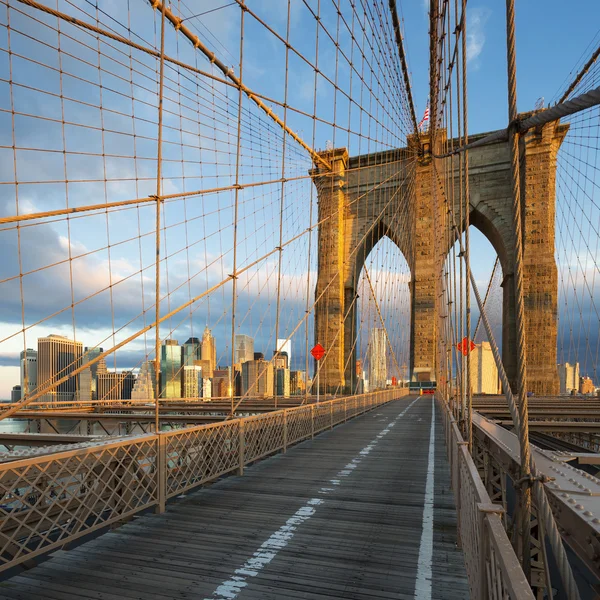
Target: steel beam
<point>573,494</point>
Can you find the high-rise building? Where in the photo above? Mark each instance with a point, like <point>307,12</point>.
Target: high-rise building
<point>282,382</point>
<point>15,393</point>
<point>284,345</point>
<point>244,349</point>
<point>586,386</point>
<point>144,386</point>
<point>484,373</point>
<point>58,357</point>
<point>221,382</point>
<point>297,382</point>
<point>206,389</point>
<point>88,379</point>
<point>170,369</point>
<point>191,381</point>
<point>28,371</point>
<point>281,360</point>
<point>115,386</point>
<point>209,350</point>
<point>569,377</point>
<point>257,378</point>
<point>87,386</point>
<point>377,354</point>
<point>191,352</point>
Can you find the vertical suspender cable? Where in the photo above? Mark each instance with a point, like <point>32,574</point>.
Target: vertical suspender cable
<point>281,207</point>
<point>234,274</point>
<point>158,206</point>
<point>465,158</point>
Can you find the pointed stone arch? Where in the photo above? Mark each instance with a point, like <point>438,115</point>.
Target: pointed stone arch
<point>391,193</point>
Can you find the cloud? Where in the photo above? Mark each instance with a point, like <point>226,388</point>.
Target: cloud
<point>476,21</point>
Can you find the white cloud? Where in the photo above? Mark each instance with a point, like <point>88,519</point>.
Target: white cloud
<point>476,20</point>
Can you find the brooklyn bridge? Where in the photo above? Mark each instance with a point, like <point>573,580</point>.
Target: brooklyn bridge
<point>388,384</point>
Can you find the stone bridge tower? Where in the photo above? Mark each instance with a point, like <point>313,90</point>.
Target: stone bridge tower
<point>364,198</point>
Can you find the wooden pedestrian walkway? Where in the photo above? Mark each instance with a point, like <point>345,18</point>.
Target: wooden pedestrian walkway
<point>359,512</point>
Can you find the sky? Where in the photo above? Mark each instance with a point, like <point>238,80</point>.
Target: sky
<point>111,155</point>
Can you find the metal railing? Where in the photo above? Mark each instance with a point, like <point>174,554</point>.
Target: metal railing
<point>493,569</point>
<point>50,500</point>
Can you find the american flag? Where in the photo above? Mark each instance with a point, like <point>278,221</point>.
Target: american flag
<point>425,118</point>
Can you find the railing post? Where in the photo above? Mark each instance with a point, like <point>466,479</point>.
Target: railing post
<point>285,431</point>
<point>161,473</point>
<point>312,421</point>
<point>484,547</point>
<point>345,409</point>
<point>331,414</point>
<point>457,460</point>
<point>241,448</point>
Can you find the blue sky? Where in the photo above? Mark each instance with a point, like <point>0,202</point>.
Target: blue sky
<point>547,52</point>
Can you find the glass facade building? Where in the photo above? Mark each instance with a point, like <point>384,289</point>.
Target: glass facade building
<point>170,369</point>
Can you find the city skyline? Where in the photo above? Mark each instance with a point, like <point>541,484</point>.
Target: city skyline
<point>180,364</point>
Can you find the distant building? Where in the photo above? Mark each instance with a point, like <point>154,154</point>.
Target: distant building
<point>209,350</point>
<point>484,373</point>
<point>281,360</point>
<point>58,357</point>
<point>377,355</point>
<point>88,379</point>
<point>115,386</point>
<point>191,382</point>
<point>568,375</point>
<point>284,345</point>
<point>282,382</point>
<point>87,386</point>
<point>297,382</point>
<point>257,378</point>
<point>221,383</point>
<point>28,365</point>
<point>144,386</point>
<point>206,389</point>
<point>586,386</point>
<point>244,349</point>
<point>170,369</point>
<point>191,351</point>
<point>15,393</point>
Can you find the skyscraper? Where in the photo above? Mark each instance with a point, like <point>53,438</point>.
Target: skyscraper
<point>282,382</point>
<point>115,386</point>
<point>89,377</point>
<point>257,378</point>
<point>484,373</point>
<point>15,393</point>
<point>377,354</point>
<point>297,382</point>
<point>281,360</point>
<point>170,369</point>
<point>569,377</point>
<point>28,371</point>
<point>58,357</point>
<point>190,352</point>
<point>191,380</point>
<point>209,350</point>
<point>285,346</point>
<point>143,388</point>
<point>244,349</point>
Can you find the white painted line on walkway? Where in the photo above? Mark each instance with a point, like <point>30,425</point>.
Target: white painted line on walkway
<point>424,576</point>
<point>268,550</point>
